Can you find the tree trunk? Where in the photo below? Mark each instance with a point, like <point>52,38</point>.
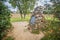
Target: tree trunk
<point>21,15</point>
<point>24,16</point>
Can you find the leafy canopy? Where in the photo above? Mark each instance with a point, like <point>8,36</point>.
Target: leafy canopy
<point>24,6</point>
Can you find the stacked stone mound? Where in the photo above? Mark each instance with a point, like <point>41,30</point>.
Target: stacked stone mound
<point>37,20</point>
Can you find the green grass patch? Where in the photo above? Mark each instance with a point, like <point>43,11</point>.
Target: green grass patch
<point>20,19</point>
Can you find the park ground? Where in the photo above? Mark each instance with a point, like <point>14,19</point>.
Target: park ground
<point>20,32</point>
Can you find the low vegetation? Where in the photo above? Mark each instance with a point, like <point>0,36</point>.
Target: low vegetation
<point>17,18</point>
<point>4,20</point>
<point>9,38</point>
<point>52,31</point>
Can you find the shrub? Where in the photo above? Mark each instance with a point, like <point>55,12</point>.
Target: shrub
<point>57,14</point>
<point>4,20</point>
<point>52,32</point>
<point>9,38</point>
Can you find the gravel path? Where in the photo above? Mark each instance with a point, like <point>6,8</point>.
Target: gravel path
<point>20,33</point>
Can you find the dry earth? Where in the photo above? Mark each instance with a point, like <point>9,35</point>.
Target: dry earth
<point>20,32</point>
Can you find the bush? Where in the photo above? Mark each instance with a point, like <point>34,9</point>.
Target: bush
<point>57,14</point>
<point>4,20</point>
<point>9,38</point>
<point>52,32</point>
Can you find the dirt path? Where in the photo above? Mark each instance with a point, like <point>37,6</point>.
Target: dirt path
<point>20,33</point>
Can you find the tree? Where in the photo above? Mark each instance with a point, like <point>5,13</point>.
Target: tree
<point>23,5</point>
<point>48,7</point>
<point>4,19</point>
<point>56,8</point>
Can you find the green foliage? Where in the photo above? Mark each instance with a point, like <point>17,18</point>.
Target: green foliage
<point>9,38</point>
<point>52,31</point>
<point>36,31</point>
<point>4,20</point>
<point>56,10</point>
<point>24,6</point>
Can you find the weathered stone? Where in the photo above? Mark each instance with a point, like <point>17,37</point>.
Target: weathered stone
<point>37,19</point>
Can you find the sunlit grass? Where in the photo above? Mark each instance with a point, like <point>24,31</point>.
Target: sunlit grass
<point>18,19</point>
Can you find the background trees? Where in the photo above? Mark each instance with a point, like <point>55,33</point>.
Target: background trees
<point>24,6</point>
<point>56,8</point>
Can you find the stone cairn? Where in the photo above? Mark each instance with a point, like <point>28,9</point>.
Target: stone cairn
<point>37,19</point>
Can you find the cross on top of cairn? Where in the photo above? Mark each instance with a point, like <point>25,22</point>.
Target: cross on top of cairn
<point>37,18</point>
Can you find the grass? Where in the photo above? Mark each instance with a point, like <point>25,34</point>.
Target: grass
<point>18,19</point>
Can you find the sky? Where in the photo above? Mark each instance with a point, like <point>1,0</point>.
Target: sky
<point>10,6</point>
<point>40,2</point>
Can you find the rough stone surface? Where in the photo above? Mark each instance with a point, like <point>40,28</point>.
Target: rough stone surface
<point>39,18</point>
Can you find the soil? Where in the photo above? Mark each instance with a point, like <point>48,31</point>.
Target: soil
<point>20,32</point>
